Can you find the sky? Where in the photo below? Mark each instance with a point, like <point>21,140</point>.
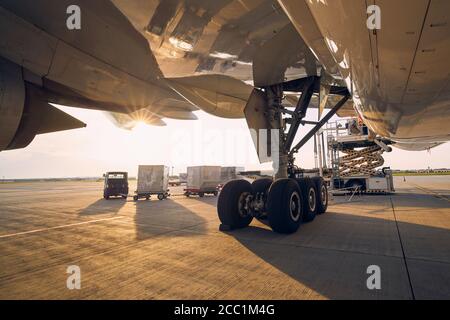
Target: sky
<point>102,147</point>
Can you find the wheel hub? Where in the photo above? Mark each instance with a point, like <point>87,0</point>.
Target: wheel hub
<point>312,199</point>
<point>243,206</point>
<point>324,195</point>
<point>295,206</point>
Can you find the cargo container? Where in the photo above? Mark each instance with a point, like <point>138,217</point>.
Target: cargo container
<point>230,173</point>
<point>202,180</point>
<point>152,180</point>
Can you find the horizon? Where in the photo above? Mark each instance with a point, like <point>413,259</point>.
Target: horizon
<point>176,175</point>
<point>103,147</point>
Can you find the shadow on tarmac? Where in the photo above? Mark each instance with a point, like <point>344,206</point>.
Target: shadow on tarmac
<point>332,254</point>
<point>167,217</point>
<point>103,206</point>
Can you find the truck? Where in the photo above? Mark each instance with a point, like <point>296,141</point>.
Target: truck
<point>202,180</point>
<point>115,185</point>
<point>152,180</point>
<point>356,159</point>
<point>381,182</point>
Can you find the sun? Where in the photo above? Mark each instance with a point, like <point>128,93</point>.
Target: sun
<point>140,128</point>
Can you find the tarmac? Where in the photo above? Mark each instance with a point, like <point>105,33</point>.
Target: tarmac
<point>173,249</point>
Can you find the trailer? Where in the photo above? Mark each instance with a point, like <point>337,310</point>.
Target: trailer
<point>202,180</point>
<point>152,180</point>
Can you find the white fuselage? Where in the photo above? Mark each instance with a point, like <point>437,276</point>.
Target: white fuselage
<point>399,75</point>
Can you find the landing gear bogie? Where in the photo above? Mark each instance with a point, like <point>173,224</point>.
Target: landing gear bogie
<point>289,200</point>
<point>284,203</point>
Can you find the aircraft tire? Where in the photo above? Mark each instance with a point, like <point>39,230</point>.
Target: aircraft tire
<point>285,206</point>
<point>261,185</point>
<point>230,204</point>
<point>322,195</point>
<point>309,193</point>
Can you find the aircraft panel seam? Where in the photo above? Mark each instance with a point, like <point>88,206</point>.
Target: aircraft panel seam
<point>415,53</point>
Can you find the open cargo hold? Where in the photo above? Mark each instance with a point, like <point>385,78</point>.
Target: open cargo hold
<point>152,180</point>
<point>202,180</point>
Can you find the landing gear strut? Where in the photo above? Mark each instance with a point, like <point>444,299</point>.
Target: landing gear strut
<point>290,199</point>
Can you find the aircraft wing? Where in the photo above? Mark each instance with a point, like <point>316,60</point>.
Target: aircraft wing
<point>106,65</point>
<point>144,61</point>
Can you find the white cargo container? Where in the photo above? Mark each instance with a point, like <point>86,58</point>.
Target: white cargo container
<point>202,180</point>
<point>152,180</point>
<point>230,173</point>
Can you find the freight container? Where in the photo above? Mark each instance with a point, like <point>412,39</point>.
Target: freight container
<point>202,180</point>
<point>230,173</point>
<point>152,180</point>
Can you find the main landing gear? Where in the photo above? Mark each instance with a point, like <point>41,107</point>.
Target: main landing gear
<point>284,203</point>
<point>288,200</point>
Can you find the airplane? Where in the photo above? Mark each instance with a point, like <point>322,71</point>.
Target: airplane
<point>264,60</point>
